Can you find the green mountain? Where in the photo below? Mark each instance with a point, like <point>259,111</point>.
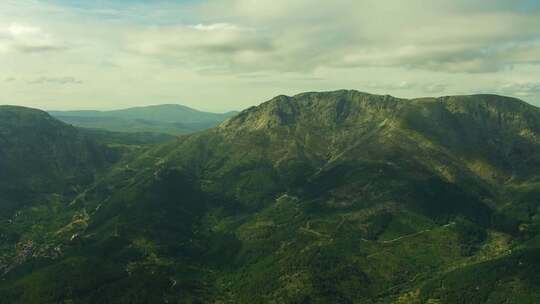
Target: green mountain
<point>39,154</point>
<point>334,197</point>
<point>43,164</point>
<point>169,118</point>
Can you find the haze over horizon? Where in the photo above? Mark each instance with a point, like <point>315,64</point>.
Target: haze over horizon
<point>227,55</point>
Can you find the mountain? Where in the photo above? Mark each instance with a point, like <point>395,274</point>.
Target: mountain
<point>169,118</point>
<point>322,197</point>
<point>41,154</point>
<point>44,164</point>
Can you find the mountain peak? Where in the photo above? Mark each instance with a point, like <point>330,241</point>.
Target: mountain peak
<point>19,110</point>
<point>166,106</point>
<point>42,153</point>
<point>23,116</point>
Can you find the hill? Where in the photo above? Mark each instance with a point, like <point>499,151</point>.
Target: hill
<point>341,197</point>
<point>44,164</point>
<point>39,153</point>
<point>169,118</point>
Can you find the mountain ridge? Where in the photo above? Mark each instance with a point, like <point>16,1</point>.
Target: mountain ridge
<point>283,103</point>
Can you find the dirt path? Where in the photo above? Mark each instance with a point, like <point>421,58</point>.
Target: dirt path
<point>415,234</point>
<point>308,229</point>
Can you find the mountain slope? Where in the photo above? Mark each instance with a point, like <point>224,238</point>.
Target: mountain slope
<point>340,197</point>
<point>44,164</point>
<point>39,153</point>
<point>172,119</point>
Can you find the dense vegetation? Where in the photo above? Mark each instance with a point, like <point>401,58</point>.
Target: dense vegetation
<point>337,197</point>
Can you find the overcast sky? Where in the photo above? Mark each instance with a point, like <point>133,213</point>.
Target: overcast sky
<point>222,55</point>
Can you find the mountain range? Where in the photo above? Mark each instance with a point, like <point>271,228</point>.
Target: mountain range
<point>168,118</point>
<point>321,197</point>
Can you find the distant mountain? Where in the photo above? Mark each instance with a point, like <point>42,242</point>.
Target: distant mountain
<point>322,197</point>
<point>169,118</point>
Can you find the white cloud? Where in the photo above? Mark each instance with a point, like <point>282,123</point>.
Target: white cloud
<point>214,46</point>
<point>216,27</point>
<point>457,36</point>
<point>521,89</point>
<point>16,37</point>
<point>435,88</point>
<point>428,87</point>
<point>17,30</point>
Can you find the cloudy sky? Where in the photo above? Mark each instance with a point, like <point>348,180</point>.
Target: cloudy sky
<point>221,55</point>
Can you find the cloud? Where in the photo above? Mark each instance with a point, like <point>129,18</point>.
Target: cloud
<point>136,52</point>
<point>67,80</point>
<point>435,88</point>
<point>202,46</point>
<point>521,89</point>
<point>403,85</point>
<point>27,39</point>
<point>216,27</point>
<point>458,36</point>
<point>431,88</point>
<point>246,36</point>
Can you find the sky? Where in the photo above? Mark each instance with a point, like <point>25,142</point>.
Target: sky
<point>221,55</point>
